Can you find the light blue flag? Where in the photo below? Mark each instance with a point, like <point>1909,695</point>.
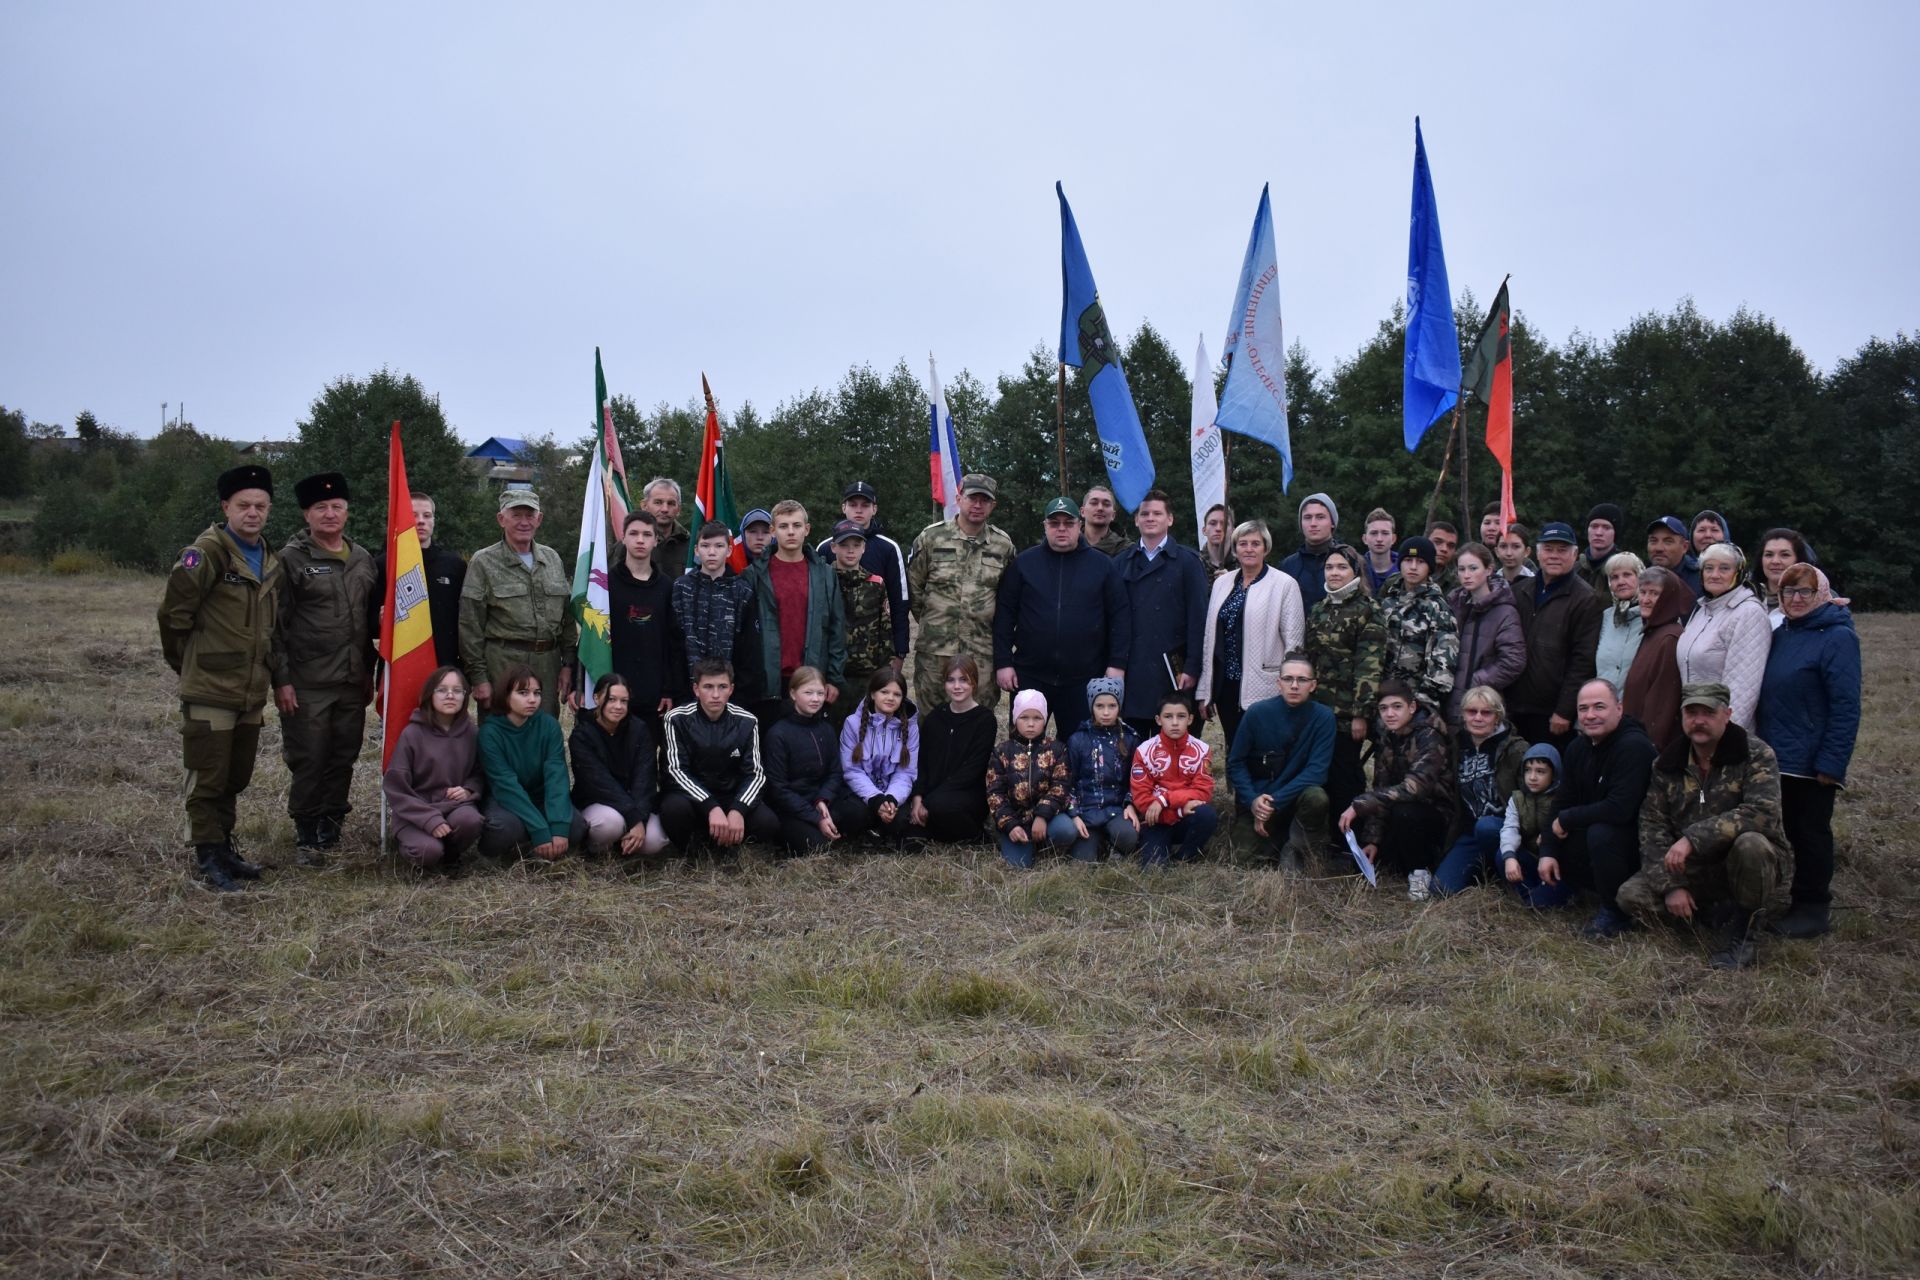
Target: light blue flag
<point>1087,344</point>
<point>1432,382</point>
<point>1254,401</point>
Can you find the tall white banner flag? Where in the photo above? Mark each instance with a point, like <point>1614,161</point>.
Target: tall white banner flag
<point>1209,458</point>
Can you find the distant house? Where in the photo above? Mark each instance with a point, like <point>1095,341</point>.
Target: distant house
<point>502,459</point>
<point>266,450</point>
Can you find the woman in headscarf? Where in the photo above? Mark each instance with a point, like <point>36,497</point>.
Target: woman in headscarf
<point>1726,639</point>
<point>1810,715</point>
<point>1652,690</point>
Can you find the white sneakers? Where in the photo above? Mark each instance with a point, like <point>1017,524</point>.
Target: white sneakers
<point>1419,886</point>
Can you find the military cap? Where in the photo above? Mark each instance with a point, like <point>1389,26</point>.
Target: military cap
<point>847,529</point>
<point>519,497</point>
<point>978,482</point>
<point>1558,531</point>
<point>1061,507</point>
<point>319,488</point>
<point>759,515</point>
<point>1712,695</point>
<point>860,489</point>
<point>247,477</point>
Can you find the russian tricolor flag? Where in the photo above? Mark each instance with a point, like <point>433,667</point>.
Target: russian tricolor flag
<point>943,453</point>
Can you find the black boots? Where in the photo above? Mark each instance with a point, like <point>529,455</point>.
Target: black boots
<point>1804,920</point>
<point>1737,950</point>
<point>210,864</point>
<point>239,866</point>
<point>328,829</point>
<point>307,849</point>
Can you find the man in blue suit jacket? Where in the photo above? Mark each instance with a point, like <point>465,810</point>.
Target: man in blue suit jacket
<point>1166,586</point>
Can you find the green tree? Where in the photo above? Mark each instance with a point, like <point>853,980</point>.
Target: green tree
<point>346,430</point>
<point>15,454</point>
<point>1871,436</point>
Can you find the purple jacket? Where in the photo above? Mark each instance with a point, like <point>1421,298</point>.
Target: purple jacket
<point>1493,647</point>
<point>879,769</point>
<point>426,761</point>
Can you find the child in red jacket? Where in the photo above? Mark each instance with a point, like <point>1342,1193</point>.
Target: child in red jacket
<point>1172,786</point>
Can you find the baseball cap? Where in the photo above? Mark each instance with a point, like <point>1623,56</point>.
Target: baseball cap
<point>759,515</point>
<point>518,497</point>
<point>860,489</point>
<point>847,529</point>
<point>979,482</point>
<point>1059,507</point>
<point>1671,524</point>
<point>1558,531</point>
<point>1710,695</point>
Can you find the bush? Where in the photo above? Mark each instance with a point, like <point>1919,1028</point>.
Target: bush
<point>73,562</point>
<point>14,566</point>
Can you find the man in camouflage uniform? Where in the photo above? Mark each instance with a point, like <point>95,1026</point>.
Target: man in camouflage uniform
<point>1711,831</point>
<point>953,575</point>
<point>869,620</point>
<point>216,630</point>
<point>516,607</point>
<point>1423,636</point>
<point>323,663</point>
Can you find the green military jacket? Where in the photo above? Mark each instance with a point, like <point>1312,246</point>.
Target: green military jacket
<point>952,583</point>
<point>1740,793</point>
<point>217,623</point>
<point>503,602</point>
<point>869,627</point>
<point>1423,639</point>
<point>1347,640</point>
<point>322,635</point>
<point>1112,542</point>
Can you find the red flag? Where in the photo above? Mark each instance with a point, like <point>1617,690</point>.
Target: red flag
<point>712,490</point>
<point>1489,378</point>
<point>406,624</point>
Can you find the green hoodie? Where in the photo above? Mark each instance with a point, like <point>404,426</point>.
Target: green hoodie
<point>526,767</point>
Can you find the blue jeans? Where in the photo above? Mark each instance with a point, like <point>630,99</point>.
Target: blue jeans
<point>1019,853</point>
<point>1472,857</point>
<point>1192,831</point>
<point>1120,836</point>
<point>1534,891</point>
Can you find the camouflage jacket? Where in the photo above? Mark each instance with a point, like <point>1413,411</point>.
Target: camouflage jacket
<point>1026,779</point>
<point>217,621</point>
<point>1740,793</point>
<point>1411,767</point>
<point>323,635</point>
<point>1347,641</point>
<point>951,584</point>
<point>869,622</point>
<point>502,600</point>
<point>1423,639</point>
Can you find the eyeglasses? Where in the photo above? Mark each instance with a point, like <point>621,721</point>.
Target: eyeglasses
<point>1797,593</point>
<point>1296,679</point>
<point>1479,711</point>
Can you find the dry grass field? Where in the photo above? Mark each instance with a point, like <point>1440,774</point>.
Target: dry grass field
<point>898,1065</point>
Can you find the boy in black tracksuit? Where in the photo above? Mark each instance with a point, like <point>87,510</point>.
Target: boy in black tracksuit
<point>715,781</point>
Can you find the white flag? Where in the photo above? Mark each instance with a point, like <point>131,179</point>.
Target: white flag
<point>1209,458</point>
<point>943,452</point>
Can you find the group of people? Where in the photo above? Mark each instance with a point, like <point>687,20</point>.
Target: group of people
<point>1521,699</point>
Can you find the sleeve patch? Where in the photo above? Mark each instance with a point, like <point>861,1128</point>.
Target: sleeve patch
<point>190,558</point>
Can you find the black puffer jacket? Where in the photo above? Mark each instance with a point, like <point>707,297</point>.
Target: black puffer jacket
<point>803,765</point>
<point>614,769</point>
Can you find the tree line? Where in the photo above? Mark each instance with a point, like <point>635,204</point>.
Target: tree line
<point>1675,413</point>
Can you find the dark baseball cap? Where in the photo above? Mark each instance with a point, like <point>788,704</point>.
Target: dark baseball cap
<point>860,489</point>
<point>847,529</point>
<point>759,515</point>
<point>1558,531</point>
<point>1671,524</point>
<point>1061,507</point>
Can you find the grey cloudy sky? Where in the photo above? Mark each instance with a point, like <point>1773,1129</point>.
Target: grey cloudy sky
<point>233,204</point>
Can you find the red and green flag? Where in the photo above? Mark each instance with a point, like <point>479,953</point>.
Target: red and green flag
<point>712,490</point>
<point>1488,377</point>
<point>613,471</point>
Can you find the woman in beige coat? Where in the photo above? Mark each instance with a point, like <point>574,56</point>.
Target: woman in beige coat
<point>1254,618</point>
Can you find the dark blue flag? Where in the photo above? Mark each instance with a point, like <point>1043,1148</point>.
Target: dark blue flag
<point>1431,385</point>
<point>1087,344</point>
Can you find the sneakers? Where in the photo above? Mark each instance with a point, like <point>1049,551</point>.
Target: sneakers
<point>1607,922</point>
<point>1804,920</point>
<point>1419,886</point>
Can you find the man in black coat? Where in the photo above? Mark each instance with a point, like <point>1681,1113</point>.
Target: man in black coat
<point>1166,586</point>
<point>1060,619</point>
<point>1561,617</point>
<point>446,574</point>
<point>1594,839</point>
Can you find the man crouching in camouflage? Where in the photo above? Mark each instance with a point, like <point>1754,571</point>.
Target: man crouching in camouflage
<point>216,630</point>
<point>953,580</point>
<point>1711,832</point>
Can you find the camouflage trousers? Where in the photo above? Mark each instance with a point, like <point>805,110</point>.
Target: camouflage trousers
<point>1755,875</point>
<point>217,746</point>
<point>929,688</point>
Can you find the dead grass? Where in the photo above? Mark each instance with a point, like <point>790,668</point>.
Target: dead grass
<point>894,1066</point>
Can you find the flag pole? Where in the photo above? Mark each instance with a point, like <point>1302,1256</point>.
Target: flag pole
<point>1446,460</point>
<point>1060,424</point>
<point>386,703</point>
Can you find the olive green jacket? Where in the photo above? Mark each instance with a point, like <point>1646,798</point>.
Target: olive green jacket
<point>217,623</point>
<point>323,636</point>
<point>502,602</point>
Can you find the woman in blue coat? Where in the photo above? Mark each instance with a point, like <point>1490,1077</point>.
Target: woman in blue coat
<point>1809,714</point>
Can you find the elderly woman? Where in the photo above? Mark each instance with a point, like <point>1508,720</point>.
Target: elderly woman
<point>1726,639</point>
<point>1780,550</point>
<point>1489,753</point>
<point>1809,715</point>
<point>1254,617</point>
<point>1708,528</point>
<point>1620,627</point>
<point>1347,641</point>
<point>1214,551</point>
<point>1651,693</point>
<point>1493,648</point>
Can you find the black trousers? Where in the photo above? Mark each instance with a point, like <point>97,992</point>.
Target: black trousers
<point>798,835</point>
<point>1066,702</point>
<point>1600,857</point>
<point>1226,701</point>
<point>855,817</point>
<point>686,822</point>
<point>1537,727</point>
<point>1411,837</point>
<point>953,817</point>
<point>1345,778</point>
<point>1807,808</point>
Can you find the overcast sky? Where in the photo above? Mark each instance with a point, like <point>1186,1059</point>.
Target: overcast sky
<point>233,205</point>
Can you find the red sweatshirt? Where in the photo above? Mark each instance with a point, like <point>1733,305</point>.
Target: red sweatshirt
<point>1171,774</point>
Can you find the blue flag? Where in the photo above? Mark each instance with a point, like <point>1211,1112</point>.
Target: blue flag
<point>1432,382</point>
<point>1087,344</point>
<point>1254,401</point>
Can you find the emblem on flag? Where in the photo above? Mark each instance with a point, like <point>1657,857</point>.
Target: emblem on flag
<point>409,591</point>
